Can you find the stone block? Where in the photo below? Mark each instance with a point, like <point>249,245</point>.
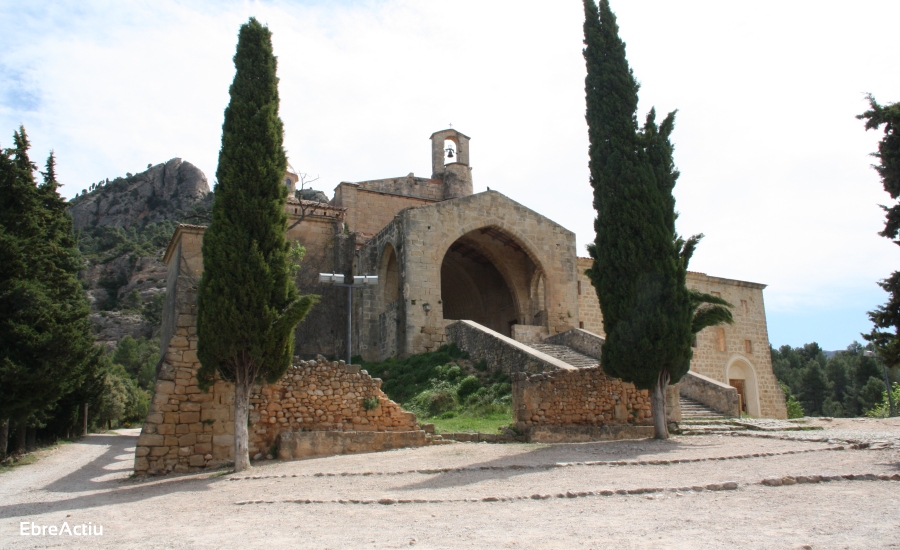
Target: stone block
<point>141,465</point>
<point>224,440</point>
<point>150,440</point>
<point>159,451</point>
<point>188,417</point>
<point>187,439</point>
<point>141,451</point>
<point>203,448</point>
<point>197,460</point>
<point>165,429</point>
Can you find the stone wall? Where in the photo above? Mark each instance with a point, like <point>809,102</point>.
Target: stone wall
<point>580,397</point>
<point>321,396</point>
<point>500,352</point>
<point>583,405</point>
<point>369,210</point>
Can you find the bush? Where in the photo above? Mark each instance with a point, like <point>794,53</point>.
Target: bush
<point>467,387</point>
<point>371,403</point>
<point>441,397</point>
<point>794,410</point>
<point>883,409</point>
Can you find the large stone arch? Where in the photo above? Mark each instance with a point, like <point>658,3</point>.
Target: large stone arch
<point>739,367</point>
<point>430,231</point>
<point>476,267</point>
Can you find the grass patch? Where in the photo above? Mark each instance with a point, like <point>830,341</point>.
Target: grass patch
<point>447,389</point>
<point>489,423</point>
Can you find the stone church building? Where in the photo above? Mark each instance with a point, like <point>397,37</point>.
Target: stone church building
<point>443,253</point>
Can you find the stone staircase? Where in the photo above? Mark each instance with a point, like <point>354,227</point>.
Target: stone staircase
<point>697,418</point>
<point>566,355</point>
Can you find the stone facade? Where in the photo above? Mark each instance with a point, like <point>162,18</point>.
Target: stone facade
<point>737,352</point>
<point>482,257</point>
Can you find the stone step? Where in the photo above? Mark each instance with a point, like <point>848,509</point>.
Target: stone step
<point>566,355</point>
<point>691,409</point>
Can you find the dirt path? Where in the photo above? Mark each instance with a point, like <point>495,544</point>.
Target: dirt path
<point>677,494</point>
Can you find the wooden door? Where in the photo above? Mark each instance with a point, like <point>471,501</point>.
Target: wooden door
<point>738,384</point>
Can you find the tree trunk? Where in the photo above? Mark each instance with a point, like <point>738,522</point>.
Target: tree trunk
<point>20,439</point>
<point>658,407</point>
<point>4,437</point>
<point>241,412</point>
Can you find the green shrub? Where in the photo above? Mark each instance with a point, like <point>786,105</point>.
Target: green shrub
<point>882,409</point>
<point>467,387</point>
<point>794,410</point>
<point>441,397</point>
<point>371,403</point>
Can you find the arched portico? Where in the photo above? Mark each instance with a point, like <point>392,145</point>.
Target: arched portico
<point>486,277</point>
<point>740,374</point>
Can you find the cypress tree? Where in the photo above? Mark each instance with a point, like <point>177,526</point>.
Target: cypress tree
<point>46,343</point>
<point>640,263</point>
<point>248,304</point>
<point>886,333</point>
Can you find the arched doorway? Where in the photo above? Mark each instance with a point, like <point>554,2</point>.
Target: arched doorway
<point>487,277</point>
<point>388,317</point>
<point>741,376</point>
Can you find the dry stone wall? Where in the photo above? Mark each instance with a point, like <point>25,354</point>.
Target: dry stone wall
<point>321,395</point>
<point>578,397</point>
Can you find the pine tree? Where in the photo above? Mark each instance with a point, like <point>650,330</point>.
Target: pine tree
<point>887,342</point>
<point>46,343</point>
<point>247,301</point>
<point>640,263</point>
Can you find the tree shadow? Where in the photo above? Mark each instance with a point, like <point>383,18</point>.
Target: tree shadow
<point>546,458</point>
<point>114,491</point>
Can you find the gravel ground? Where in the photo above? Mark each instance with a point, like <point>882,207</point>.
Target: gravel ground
<point>687,492</point>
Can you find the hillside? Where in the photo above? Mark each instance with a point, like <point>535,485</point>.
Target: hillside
<point>123,227</point>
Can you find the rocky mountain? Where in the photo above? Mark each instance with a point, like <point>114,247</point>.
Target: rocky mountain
<point>123,228</point>
<point>167,191</point>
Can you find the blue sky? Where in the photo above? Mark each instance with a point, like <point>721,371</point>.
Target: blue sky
<point>775,168</point>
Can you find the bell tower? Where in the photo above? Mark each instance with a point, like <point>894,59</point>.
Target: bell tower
<point>450,162</point>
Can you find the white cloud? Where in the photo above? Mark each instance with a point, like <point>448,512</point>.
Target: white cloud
<point>774,165</point>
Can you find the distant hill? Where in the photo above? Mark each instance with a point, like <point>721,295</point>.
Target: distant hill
<point>123,227</point>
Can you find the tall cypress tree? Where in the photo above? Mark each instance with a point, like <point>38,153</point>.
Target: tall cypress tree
<point>886,318</point>
<point>640,263</point>
<point>46,343</point>
<point>247,301</point>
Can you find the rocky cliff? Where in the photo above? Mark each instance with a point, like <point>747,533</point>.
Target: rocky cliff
<point>123,227</point>
<point>167,191</point>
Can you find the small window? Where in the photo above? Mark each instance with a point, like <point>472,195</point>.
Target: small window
<point>579,288</point>
<point>720,339</point>
<point>694,341</point>
<point>744,307</point>
<point>580,324</point>
<point>748,347</point>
